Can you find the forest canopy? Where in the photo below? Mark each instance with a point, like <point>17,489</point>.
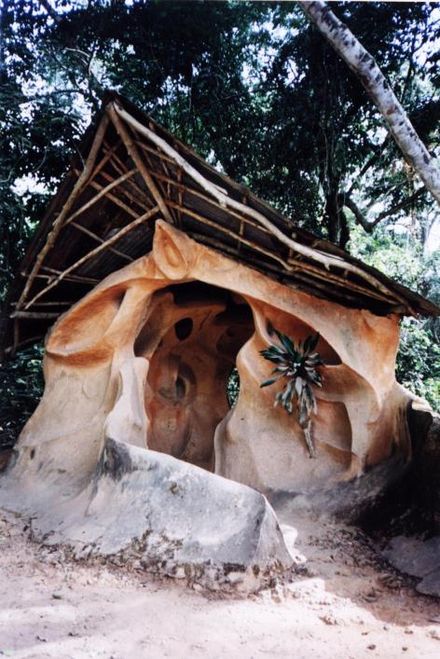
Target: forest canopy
<point>257,90</point>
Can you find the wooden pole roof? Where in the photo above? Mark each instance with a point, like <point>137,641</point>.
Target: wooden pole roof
<point>130,172</point>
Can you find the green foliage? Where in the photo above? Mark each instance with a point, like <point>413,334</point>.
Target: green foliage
<point>21,384</point>
<point>418,362</point>
<point>233,387</point>
<point>298,364</point>
<point>402,258</point>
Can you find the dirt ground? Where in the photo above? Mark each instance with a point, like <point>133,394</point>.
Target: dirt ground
<point>342,602</point>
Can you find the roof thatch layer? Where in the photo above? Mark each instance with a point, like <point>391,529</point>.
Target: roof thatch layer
<point>131,172</point>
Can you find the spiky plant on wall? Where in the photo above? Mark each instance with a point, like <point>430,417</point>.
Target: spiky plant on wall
<point>298,365</point>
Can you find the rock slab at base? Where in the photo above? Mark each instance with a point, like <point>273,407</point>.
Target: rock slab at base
<point>419,558</point>
<point>167,516</point>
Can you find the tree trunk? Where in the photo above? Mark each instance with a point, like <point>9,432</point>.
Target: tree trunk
<point>372,78</point>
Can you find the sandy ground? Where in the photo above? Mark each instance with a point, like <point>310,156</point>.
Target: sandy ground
<point>343,602</point>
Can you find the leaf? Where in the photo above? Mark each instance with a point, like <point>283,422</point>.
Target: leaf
<point>267,383</point>
<point>309,441</point>
<point>299,383</point>
<point>310,343</point>
<point>286,342</point>
<point>298,366</point>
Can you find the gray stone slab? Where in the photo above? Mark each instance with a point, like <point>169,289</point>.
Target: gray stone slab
<point>414,556</point>
<point>166,515</point>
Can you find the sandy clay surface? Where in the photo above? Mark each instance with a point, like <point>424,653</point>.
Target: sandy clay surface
<point>342,602</point>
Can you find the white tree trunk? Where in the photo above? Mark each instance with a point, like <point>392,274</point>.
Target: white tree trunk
<point>364,66</point>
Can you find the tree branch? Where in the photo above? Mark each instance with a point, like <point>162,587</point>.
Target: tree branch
<point>366,69</point>
<point>50,10</point>
<point>345,200</point>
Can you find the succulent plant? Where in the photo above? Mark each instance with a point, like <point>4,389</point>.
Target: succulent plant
<point>298,365</point>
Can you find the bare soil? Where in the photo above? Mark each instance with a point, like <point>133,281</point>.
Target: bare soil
<point>342,602</point>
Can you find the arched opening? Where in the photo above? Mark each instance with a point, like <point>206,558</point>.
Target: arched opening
<point>191,340</point>
<point>233,387</point>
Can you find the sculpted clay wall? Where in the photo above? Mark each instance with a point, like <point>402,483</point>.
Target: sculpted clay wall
<point>145,358</point>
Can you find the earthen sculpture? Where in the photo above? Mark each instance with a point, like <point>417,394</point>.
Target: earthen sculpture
<point>139,367</point>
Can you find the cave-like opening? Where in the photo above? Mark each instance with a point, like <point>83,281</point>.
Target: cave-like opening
<point>191,339</point>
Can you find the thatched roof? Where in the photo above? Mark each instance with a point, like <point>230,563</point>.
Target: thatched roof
<point>130,172</point>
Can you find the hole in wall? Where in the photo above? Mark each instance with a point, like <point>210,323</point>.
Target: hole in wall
<point>183,328</point>
<point>297,330</point>
<point>180,388</point>
<point>192,378</point>
<point>233,388</point>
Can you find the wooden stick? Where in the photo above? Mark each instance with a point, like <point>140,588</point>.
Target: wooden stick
<point>158,180</point>
<point>56,226</point>
<point>79,278</point>
<point>155,152</point>
<point>327,260</point>
<point>212,202</point>
<point>47,304</point>
<point>101,240</point>
<point>297,265</point>
<point>115,200</point>
<point>94,252</point>
<point>228,232</point>
<point>301,265</point>
<point>104,191</point>
<point>137,159</point>
<point>75,280</point>
<point>123,190</point>
<point>180,194</point>
<point>119,166</point>
<point>108,153</point>
<point>32,339</point>
<point>286,278</point>
<point>336,279</point>
<point>35,314</point>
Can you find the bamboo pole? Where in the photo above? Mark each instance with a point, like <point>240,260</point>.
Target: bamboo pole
<point>35,314</point>
<point>336,279</point>
<point>101,240</point>
<point>115,200</point>
<point>78,278</point>
<point>149,149</point>
<point>90,161</point>
<point>295,265</point>
<point>128,194</point>
<point>228,232</point>
<point>305,285</point>
<point>104,191</point>
<point>107,156</point>
<point>94,252</point>
<point>137,159</point>
<point>74,280</point>
<point>159,179</point>
<point>180,194</point>
<point>48,304</point>
<point>119,166</point>
<point>212,202</point>
<point>327,260</point>
<point>163,191</point>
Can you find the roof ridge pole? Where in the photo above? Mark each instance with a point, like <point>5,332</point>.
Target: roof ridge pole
<point>327,260</point>
<point>58,223</point>
<point>137,159</point>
